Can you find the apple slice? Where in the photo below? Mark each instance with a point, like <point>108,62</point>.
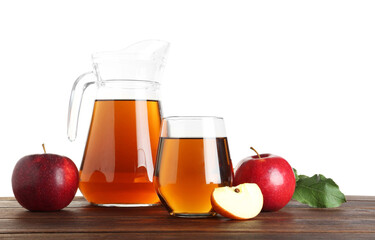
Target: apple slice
<point>244,201</point>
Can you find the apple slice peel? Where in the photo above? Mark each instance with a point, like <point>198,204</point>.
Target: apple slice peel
<point>242,202</point>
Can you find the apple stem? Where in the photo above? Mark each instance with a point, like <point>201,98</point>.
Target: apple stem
<point>44,148</point>
<point>255,152</point>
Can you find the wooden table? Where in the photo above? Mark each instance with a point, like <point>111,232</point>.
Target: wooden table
<point>353,220</point>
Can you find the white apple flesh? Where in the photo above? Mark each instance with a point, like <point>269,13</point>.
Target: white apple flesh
<point>244,201</point>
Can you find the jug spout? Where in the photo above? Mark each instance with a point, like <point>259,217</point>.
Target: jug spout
<point>143,60</point>
<point>154,50</point>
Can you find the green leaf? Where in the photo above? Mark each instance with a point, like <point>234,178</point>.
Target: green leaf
<point>295,174</point>
<point>318,191</point>
<point>302,177</point>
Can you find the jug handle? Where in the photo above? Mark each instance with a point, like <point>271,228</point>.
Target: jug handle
<point>76,95</point>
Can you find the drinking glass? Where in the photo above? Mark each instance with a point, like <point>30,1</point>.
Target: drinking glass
<point>192,160</point>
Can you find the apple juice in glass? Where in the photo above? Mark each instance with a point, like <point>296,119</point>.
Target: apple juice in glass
<point>120,154</point>
<point>193,159</point>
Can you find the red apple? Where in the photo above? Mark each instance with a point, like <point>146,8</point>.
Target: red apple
<point>45,182</point>
<point>274,176</point>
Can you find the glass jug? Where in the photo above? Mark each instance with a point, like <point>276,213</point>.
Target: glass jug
<point>120,153</point>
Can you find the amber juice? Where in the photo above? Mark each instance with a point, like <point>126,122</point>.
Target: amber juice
<point>120,154</point>
<point>188,170</point>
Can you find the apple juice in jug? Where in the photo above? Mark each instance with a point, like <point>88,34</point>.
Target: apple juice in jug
<point>120,152</point>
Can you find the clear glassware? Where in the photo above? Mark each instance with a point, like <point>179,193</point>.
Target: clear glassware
<point>193,159</point>
<point>118,162</point>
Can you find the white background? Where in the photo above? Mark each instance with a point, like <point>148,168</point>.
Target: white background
<point>293,78</point>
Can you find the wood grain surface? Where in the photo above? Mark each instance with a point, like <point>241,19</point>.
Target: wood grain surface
<point>80,220</point>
